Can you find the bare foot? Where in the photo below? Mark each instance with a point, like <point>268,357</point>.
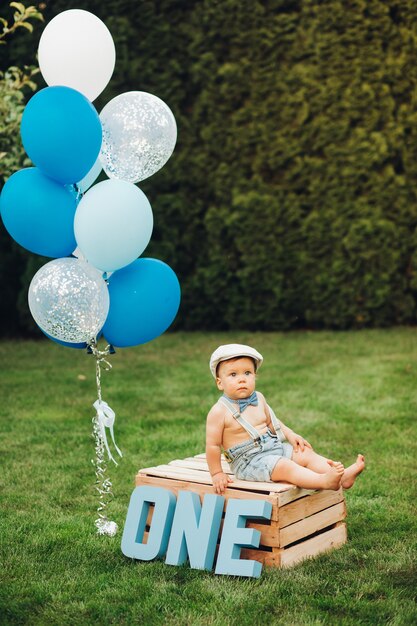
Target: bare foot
<point>353,471</point>
<point>337,464</point>
<point>332,478</point>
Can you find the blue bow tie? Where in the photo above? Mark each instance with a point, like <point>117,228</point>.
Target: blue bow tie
<point>245,402</point>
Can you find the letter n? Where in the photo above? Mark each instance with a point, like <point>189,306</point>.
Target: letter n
<point>195,530</point>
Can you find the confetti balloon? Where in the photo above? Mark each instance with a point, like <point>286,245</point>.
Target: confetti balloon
<point>69,300</point>
<point>139,136</point>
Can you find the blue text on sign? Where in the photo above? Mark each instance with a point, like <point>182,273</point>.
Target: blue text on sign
<point>185,528</point>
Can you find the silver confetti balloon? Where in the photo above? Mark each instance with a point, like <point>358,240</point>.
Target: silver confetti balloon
<point>139,136</point>
<point>69,300</point>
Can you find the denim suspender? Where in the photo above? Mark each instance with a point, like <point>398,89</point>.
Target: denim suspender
<point>252,432</point>
<point>276,424</point>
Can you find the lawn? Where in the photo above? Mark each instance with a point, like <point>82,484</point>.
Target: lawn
<point>346,392</point>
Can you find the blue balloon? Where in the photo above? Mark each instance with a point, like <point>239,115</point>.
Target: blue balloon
<point>66,344</point>
<point>144,300</point>
<point>39,213</point>
<point>61,132</point>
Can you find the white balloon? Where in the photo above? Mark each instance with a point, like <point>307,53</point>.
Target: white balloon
<point>69,300</point>
<point>139,136</point>
<point>77,50</point>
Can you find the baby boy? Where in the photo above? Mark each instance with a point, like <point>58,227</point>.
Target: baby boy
<point>257,445</point>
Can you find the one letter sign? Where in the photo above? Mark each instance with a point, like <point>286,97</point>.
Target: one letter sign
<point>188,529</point>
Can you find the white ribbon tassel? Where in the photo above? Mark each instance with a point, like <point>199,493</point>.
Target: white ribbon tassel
<point>106,417</point>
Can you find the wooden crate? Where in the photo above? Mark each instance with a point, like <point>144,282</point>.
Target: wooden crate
<point>304,522</point>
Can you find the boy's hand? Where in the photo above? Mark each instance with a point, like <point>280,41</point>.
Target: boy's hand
<point>220,482</point>
<point>298,442</point>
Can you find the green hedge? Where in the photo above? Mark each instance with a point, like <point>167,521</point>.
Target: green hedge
<point>290,200</point>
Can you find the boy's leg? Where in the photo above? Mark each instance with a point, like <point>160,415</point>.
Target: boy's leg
<point>290,472</point>
<point>313,461</point>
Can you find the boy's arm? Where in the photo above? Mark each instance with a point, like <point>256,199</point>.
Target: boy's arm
<point>214,437</point>
<point>285,429</point>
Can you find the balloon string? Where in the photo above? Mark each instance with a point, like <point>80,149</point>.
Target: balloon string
<point>101,361</point>
<point>79,194</point>
<point>104,417</point>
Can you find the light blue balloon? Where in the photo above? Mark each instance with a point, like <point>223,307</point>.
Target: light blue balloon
<point>113,224</point>
<point>90,178</point>
<point>39,213</point>
<point>61,133</point>
<point>144,300</point>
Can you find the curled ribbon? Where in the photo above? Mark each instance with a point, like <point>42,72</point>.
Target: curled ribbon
<point>106,417</point>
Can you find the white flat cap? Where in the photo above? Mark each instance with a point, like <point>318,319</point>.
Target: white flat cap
<point>231,351</point>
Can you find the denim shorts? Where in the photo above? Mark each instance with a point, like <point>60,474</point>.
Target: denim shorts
<point>252,460</point>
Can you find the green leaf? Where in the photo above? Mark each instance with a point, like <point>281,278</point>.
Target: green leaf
<point>32,12</point>
<point>26,25</point>
<point>19,6</point>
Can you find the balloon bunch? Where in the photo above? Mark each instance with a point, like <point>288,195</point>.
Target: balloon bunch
<point>96,283</point>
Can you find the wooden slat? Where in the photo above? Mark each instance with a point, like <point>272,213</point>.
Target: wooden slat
<point>316,545</point>
<point>166,471</point>
<point>269,559</point>
<point>150,515</point>
<point>304,507</point>
<point>295,493</point>
<point>178,485</point>
<point>203,461</point>
<point>177,473</point>
<point>198,465</point>
<point>311,524</point>
<point>269,533</point>
<point>287,557</point>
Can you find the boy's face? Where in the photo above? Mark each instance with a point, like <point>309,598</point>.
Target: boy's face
<point>236,377</point>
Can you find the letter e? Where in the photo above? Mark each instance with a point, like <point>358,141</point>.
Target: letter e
<point>235,536</point>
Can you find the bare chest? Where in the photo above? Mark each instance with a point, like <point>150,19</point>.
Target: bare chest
<point>234,433</point>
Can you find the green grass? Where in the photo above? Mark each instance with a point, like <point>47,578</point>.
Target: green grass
<point>345,392</point>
